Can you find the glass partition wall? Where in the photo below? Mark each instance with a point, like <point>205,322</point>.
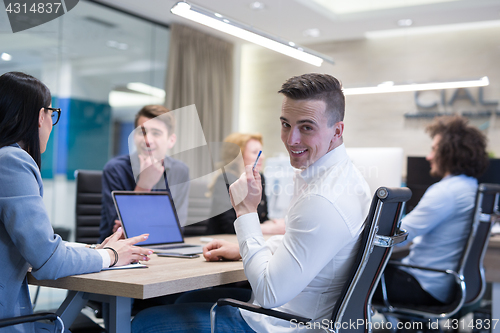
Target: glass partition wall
<point>88,57</point>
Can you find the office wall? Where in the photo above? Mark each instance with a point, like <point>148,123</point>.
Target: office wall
<point>379,120</point>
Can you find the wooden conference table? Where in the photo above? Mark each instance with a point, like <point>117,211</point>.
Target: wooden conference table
<point>164,276</point>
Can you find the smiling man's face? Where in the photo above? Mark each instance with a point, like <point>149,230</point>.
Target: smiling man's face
<point>158,137</point>
<point>305,131</point>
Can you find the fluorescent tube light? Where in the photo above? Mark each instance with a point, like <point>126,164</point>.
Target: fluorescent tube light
<point>119,99</point>
<point>389,86</point>
<point>146,89</point>
<point>412,31</point>
<point>229,26</point>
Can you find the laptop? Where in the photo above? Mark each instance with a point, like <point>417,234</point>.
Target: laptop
<point>152,213</point>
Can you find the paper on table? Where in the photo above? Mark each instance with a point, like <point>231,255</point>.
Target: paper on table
<point>138,265</point>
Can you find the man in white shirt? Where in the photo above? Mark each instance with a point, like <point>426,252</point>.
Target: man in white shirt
<point>440,224</point>
<point>304,270</point>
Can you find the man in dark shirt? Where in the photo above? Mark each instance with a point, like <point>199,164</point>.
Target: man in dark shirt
<point>145,169</point>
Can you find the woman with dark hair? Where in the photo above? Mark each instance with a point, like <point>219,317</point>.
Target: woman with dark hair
<point>26,236</point>
<point>441,222</point>
<point>458,148</point>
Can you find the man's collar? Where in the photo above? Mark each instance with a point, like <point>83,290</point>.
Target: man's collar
<point>324,163</point>
<point>167,162</point>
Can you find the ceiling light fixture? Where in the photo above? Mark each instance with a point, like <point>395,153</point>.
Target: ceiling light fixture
<point>240,30</point>
<point>257,5</point>
<point>6,57</point>
<point>313,32</point>
<point>389,86</point>
<point>116,45</point>
<point>405,22</point>
<point>122,99</point>
<point>146,89</point>
<point>424,30</point>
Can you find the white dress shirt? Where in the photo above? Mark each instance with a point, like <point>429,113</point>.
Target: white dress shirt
<point>439,226</point>
<point>106,260</point>
<point>303,271</point>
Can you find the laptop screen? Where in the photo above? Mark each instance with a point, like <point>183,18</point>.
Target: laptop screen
<point>148,213</point>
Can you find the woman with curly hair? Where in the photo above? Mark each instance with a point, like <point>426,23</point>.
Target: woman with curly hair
<point>440,224</point>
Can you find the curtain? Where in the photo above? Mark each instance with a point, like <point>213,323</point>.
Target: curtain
<point>199,72</point>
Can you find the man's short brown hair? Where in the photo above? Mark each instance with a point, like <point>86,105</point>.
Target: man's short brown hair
<point>316,86</point>
<point>462,148</point>
<point>153,111</point>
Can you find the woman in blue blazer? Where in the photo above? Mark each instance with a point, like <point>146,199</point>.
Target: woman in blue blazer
<point>26,235</point>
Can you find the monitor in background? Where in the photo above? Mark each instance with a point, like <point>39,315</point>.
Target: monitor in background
<point>418,178</point>
<point>492,174</point>
<point>380,166</point>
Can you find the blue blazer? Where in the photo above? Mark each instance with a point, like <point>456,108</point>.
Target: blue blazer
<point>27,238</point>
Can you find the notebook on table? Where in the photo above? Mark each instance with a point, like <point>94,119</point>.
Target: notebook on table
<point>152,213</point>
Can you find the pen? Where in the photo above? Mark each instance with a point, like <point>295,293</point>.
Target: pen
<point>225,179</point>
<point>256,160</point>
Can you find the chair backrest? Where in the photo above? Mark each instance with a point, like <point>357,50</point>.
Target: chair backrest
<point>380,233</point>
<point>485,213</point>
<point>469,275</point>
<point>88,205</point>
<point>198,209</point>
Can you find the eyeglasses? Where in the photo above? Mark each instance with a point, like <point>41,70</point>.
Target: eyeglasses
<point>56,114</point>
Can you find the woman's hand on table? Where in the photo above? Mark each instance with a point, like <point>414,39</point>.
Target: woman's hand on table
<point>125,249</point>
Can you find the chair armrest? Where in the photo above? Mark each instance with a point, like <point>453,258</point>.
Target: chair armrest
<point>390,241</point>
<point>28,318</point>
<point>268,312</point>
<point>459,280</point>
<point>444,271</point>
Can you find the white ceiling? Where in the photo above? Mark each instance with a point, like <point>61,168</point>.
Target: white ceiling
<point>289,18</point>
<point>81,36</point>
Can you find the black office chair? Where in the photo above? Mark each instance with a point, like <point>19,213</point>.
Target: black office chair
<point>32,318</point>
<point>88,220</point>
<point>88,205</point>
<point>380,234</point>
<point>470,281</point>
<point>475,281</point>
<point>198,209</point>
